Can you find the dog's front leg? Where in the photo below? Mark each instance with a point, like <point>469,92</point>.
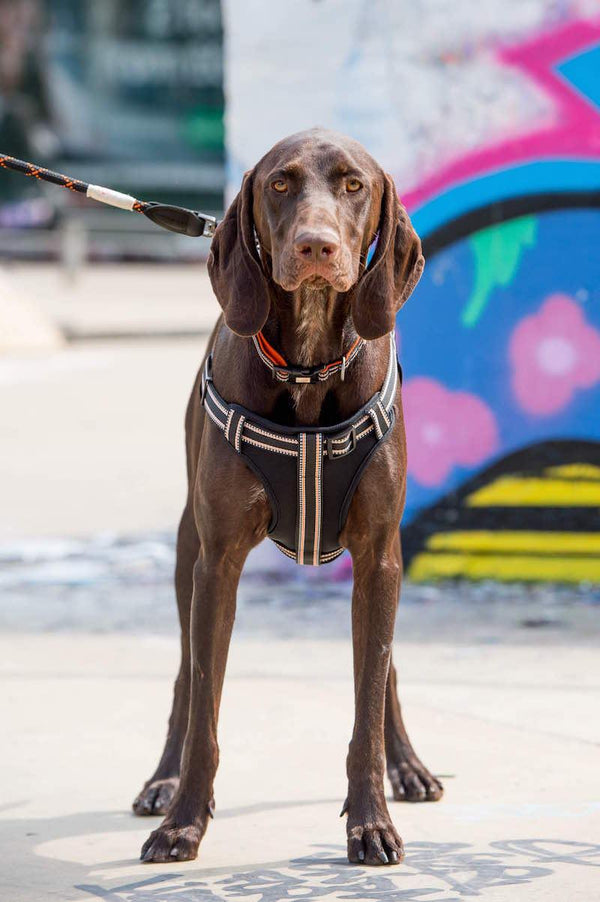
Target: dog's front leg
<point>216,575</point>
<point>158,792</point>
<point>372,837</point>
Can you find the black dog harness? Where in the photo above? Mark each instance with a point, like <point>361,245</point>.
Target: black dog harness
<point>309,473</point>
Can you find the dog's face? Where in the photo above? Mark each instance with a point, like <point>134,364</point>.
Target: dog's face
<point>315,201</point>
<point>316,205</point>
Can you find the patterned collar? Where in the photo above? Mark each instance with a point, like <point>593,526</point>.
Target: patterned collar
<point>312,374</point>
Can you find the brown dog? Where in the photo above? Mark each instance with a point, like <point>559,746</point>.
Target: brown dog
<point>290,259</point>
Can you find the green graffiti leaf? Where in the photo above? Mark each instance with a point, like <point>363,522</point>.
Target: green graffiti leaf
<point>498,251</point>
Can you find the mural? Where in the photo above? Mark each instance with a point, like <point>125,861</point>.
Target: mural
<point>526,517</point>
<point>488,117</point>
<point>510,308</point>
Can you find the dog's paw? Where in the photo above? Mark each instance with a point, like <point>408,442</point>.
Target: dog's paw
<point>155,797</point>
<point>412,782</point>
<point>375,843</point>
<point>171,843</point>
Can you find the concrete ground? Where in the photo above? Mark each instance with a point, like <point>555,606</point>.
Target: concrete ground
<point>512,729</point>
<point>500,685</point>
<point>92,433</point>
<point>92,436</point>
<point>108,300</point>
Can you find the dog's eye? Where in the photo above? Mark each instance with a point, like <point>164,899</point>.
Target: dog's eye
<point>353,185</point>
<point>279,185</point>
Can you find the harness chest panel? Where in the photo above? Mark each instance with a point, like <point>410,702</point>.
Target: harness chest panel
<point>309,473</point>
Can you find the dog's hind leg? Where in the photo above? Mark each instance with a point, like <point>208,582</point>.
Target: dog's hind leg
<point>411,781</point>
<point>157,793</point>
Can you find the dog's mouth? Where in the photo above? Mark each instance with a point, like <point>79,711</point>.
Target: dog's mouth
<point>317,281</point>
<point>315,278</point>
<point>338,272</point>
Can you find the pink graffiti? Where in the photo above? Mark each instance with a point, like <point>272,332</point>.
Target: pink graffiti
<point>553,353</point>
<point>574,131</point>
<point>445,429</point>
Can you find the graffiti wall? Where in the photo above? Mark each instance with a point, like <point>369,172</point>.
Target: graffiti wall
<point>489,121</point>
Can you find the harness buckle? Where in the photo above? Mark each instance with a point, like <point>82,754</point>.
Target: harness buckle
<point>332,454</point>
<point>353,440</point>
<point>296,375</point>
<point>206,378</point>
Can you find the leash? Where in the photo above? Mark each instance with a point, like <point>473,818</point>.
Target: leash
<point>194,224</point>
<point>167,216</point>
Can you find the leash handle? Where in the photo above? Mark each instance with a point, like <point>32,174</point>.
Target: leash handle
<point>167,216</point>
<point>40,172</point>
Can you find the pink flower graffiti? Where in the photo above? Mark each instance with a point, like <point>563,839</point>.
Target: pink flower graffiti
<point>553,353</point>
<point>445,429</point>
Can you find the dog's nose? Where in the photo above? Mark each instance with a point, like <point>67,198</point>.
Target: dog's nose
<point>317,247</point>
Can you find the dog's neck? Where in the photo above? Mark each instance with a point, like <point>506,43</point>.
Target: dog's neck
<point>310,325</point>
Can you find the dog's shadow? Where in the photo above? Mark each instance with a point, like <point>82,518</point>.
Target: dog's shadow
<point>431,872</point>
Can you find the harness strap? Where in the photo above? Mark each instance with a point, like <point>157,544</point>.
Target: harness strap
<point>380,417</point>
<point>312,374</point>
<point>310,498</point>
<point>233,428</point>
<point>239,426</point>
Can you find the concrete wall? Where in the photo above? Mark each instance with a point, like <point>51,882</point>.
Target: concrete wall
<point>488,117</point>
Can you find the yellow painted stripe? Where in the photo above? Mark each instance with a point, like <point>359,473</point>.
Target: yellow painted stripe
<point>426,567</point>
<point>516,540</point>
<point>574,471</point>
<point>517,491</point>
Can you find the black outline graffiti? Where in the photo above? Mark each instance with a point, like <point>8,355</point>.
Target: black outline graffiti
<point>458,871</point>
<point>502,211</point>
<point>450,513</point>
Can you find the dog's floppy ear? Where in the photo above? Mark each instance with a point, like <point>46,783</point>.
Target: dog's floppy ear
<point>234,267</point>
<point>394,271</point>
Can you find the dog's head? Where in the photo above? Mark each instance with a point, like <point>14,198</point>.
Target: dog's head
<point>315,203</point>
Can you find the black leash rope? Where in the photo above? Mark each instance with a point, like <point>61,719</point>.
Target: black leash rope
<point>175,219</point>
